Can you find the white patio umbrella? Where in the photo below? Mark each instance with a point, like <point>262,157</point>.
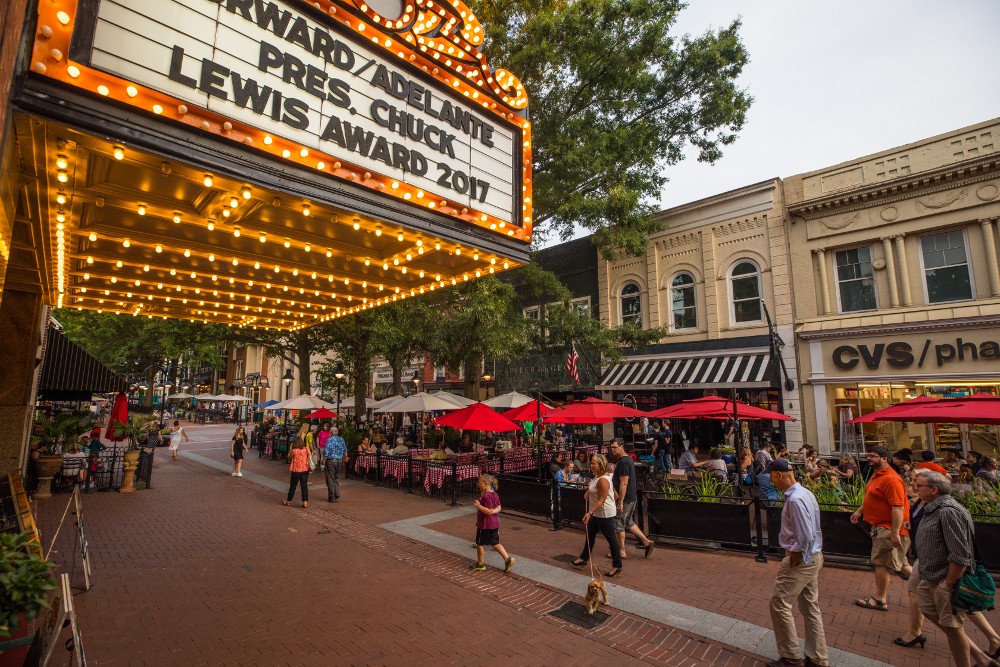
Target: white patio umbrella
<point>512,399</point>
<point>205,397</point>
<point>180,395</point>
<point>419,402</point>
<point>385,402</point>
<point>303,402</point>
<point>459,401</point>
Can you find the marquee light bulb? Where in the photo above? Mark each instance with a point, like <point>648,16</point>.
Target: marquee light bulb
<point>61,176</point>
<point>60,198</point>
<point>357,225</point>
<point>399,236</point>
<point>177,218</point>
<point>126,243</point>
<point>308,248</point>
<point>236,232</point>
<point>159,248</point>
<point>211,257</point>
<point>378,230</point>
<point>142,209</point>
<point>329,253</point>
<point>118,152</point>
<point>207,180</point>
<point>60,217</point>
<point>234,202</point>
<point>187,253</point>
<point>245,191</point>
<point>225,213</point>
<point>368,262</point>
<point>118,264</point>
<point>61,162</point>
<point>305,210</point>
<point>211,226</point>
<point>288,244</point>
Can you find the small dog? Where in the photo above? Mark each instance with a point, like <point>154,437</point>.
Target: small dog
<point>595,592</point>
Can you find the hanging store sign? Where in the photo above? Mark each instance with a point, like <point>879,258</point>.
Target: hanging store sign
<point>356,95</point>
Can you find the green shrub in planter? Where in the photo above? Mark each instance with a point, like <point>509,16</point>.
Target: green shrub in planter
<point>25,581</point>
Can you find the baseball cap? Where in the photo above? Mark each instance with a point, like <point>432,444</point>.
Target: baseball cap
<point>779,465</point>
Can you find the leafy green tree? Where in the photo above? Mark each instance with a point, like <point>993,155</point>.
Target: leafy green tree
<point>477,320</point>
<point>400,334</point>
<point>614,100</point>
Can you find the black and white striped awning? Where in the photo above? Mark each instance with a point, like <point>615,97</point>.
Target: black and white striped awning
<point>736,370</point>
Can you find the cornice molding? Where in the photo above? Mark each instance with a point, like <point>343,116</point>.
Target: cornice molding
<point>962,323</point>
<point>928,182</point>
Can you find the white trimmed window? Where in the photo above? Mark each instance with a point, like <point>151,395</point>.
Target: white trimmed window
<point>581,307</point>
<point>533,313</point>
<point>855,280</point>
<point>683,309</point>
<point>630,300</point>
<point>946,267</point>
<point>744,284</point>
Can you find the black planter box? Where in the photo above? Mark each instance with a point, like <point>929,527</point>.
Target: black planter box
<point>526,495</point>
<point>840,536</point>
<point>988,543</point>
<point>726,522</point>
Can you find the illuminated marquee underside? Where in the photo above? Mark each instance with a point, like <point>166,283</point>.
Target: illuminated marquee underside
<point>406,107</point>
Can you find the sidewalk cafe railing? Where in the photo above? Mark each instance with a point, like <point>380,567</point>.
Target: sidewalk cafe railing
<point>108,474</point>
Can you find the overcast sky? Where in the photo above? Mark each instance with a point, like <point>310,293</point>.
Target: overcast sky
<point>837,80</point>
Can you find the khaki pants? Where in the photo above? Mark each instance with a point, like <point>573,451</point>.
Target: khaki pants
<point>799,583</point>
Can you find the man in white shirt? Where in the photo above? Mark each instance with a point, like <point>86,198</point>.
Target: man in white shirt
<point>798,575</point>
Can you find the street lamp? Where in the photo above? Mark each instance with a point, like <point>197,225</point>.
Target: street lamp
<point>287,379</point>
<point>486,383</point>
<point>165,385</point>
<point>339,374</point>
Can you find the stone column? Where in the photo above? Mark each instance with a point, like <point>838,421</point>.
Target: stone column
<point>890,270</point>
<point>904,270</point>
<point>824,280</point>
<point>20,319</point>
<point>991,254</point>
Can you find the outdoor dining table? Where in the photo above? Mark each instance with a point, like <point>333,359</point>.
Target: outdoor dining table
<point>437,475</point>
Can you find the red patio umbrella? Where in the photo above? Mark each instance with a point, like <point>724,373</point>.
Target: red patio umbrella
<point>119,415</point>
<point>477,417</point>
<point>528,412</point>
<point>716,407</point>
<point>591,411</point>
<point>946,411</point>
<point>889,413</point>
<point>322,413</point>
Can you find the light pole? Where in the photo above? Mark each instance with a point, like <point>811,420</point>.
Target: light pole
<point>339,374</point>
<point>287,379</point>
<point>486,384</point>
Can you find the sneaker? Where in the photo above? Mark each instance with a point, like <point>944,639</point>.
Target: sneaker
<point>234,474</point>
<point>478,567</point>
<point>509,564</point>
<point>239,474</point>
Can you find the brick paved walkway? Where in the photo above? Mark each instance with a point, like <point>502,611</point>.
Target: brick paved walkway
<point>208,569</point>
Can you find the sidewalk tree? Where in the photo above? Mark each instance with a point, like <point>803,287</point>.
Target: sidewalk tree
<point>614,101</point>
<point>400,332</point>
<point>477,320</point>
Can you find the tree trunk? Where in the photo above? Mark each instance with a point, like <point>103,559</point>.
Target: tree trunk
<point>473,372</point>
<point>361,361</point>
<point>303,361</point>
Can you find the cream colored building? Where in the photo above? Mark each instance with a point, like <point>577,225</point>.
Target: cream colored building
<point>897,290</point>
<point>708,278</point>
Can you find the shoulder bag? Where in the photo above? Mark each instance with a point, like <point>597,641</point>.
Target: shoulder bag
<point>975,590</point>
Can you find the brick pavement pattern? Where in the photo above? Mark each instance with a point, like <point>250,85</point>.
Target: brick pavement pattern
<point>207,569</point>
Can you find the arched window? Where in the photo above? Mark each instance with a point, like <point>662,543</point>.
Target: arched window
<point>682,304</point>
<point>745,285</point>
<point>631,304</point>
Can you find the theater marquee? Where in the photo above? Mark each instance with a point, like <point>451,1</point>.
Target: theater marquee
<point>403,104</point>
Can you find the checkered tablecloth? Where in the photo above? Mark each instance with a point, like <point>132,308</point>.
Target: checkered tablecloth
<point>438,475</point>
<point>512,464</point>
<point>396,467</point>
<point>365,462</point>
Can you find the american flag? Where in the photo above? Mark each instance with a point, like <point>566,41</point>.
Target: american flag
<point>571,360</point>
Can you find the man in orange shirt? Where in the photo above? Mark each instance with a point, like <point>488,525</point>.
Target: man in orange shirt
<point>886,508</point>
<point>928,463</point>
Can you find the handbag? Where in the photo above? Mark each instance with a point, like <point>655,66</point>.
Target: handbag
<point>975,590</point>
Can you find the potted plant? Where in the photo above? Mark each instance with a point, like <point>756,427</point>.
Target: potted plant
<point>25,581</point>
<point>54,434</point>
<point>135,432</point>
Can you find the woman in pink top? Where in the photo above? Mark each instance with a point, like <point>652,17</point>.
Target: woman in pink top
<point>299,457</point>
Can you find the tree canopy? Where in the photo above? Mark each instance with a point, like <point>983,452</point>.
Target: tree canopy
<point>614,100</point>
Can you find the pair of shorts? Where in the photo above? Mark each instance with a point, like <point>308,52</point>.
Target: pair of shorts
<point>935,601</point>
<point>623,520</point>
<point>883,551</point>
<point>487,537</point>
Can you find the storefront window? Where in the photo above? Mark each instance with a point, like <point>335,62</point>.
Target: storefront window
<point>946,267</point>
<point>745,280</point>
<point>855,280</point>
<point>682,302</point>
<point>631,304</point>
